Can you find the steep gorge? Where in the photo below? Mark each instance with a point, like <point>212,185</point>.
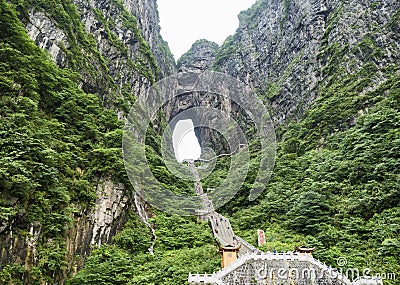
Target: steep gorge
<point>328,69</point>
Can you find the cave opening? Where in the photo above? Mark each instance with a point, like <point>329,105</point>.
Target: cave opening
<point>185,142</point>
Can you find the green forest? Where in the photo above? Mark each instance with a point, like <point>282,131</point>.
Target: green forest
<point>335,186</point>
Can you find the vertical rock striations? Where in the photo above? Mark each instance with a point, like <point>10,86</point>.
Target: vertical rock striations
<point>302,53</point>
<point>146,14</point>
<point>287,50</point>
<point>116,46</point>
<point>199,58</point>
<point>117,50</point>
<point>275,51</point>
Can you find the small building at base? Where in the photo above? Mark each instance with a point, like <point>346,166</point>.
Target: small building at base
<point>229,254</point>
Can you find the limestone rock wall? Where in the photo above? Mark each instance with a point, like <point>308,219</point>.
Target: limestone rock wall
<point>291,52</point>
<point>48,36</point>
<point>200,57</point>
<point>116,48</point>
<point>283,48</point>
<point>97,225</point>
<point>274,51</point>
<point>93,226</point>
<point>147,16</point>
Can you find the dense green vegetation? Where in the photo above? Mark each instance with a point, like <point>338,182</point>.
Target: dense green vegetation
<point>83,53</point>
<point>336,183</point>
<point>55,140</point>
<point>183,245</point>
<point>342,197</point>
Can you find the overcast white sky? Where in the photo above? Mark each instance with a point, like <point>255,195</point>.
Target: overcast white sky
<point>185,21</point>
<point>185,143</point>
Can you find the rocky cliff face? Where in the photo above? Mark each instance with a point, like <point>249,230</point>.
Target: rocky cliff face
<point>116,46</point>
<point>98,224</point>
<point>274,51</point>
<point>289,50</point>
<point>200,57</point>
<point>146,14</point>
<point>117,50</point>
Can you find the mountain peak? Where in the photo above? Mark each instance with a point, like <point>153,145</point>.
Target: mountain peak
<point>199,57</point>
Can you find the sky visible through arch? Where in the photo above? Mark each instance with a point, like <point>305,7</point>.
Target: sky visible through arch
<point>182,23</point>
<point>186,145</point>
<point>185,21</point>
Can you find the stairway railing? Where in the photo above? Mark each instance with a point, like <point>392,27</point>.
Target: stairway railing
<point>251,252</point>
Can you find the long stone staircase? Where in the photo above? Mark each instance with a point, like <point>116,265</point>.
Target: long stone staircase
<point>259,268</point>
<point>221,227</point>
